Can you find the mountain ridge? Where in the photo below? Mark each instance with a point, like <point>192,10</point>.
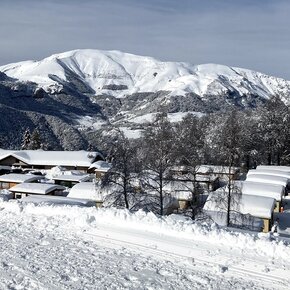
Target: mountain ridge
<point>120,74</point>
<point>75,96</point>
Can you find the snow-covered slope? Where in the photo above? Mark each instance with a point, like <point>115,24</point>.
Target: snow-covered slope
<point>66,247</point>
<point>120,74</point>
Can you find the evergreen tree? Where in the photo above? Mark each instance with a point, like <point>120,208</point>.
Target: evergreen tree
<point>35,142</point>
<point>26,139</point>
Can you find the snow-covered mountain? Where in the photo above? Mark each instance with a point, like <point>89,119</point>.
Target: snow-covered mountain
<point>70,94</point>
<point>122,74</point>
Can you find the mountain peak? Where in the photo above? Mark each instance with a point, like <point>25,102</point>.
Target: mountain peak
<point>120,74</point>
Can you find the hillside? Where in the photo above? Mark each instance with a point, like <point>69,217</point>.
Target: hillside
<point>70,94</point>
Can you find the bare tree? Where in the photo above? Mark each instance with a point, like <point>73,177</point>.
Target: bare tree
<point>158,157</point>
<point>230,138</point>
<point>190,153</point>
<point>274,129</point>
<point>122,176</point>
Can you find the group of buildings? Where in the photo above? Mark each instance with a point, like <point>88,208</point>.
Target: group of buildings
<point>21,175</point>
<point>258,196</point>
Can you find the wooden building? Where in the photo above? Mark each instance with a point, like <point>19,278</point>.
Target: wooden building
<point>246,210</point>
<point>9,180</point>
<point>24,189</point>
<point>39,159</point>
<point>71,179</point>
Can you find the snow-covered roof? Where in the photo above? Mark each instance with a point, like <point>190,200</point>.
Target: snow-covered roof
<point>269,172</point>
<point>86,190</point>
<point>206,169</point>
<point>268,190</point>
<point>101,165</point>
<point>268,179</point>
<point>61,200</point>
<point>179,190</point>
<point>257,206</point>
<point>274,167</point>
<point>36,188</point>
<point>52,158</point>
<point>19,178</point>
<point>72,177</point>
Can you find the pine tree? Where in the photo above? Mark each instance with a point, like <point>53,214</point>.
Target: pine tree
<point>26,139</point>
<point>35,142</point>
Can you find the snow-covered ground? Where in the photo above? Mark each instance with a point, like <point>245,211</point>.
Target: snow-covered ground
<point>63,247</point>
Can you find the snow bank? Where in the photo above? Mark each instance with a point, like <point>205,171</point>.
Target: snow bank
<point>88,219</point>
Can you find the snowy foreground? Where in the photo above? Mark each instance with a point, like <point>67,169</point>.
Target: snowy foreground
<point>65,247</point>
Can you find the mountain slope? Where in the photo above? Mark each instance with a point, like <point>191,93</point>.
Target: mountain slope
<point>121,74</point>
<point>76,93</point>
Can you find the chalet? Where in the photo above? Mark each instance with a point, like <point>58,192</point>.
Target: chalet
<point>24,189</point>
<point>182,191</point>
<point>39,159</point>
<point>275,191</point>
<point>100,168</point>
<point>247,210</point>
<point>223,172</point>
<point>207,181</point>
<point>71,179</point>
<point>9,180</point>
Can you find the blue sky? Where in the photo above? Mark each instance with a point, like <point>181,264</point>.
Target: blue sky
<point>251,34</point>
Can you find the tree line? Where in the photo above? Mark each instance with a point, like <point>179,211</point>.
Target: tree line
<point>234,138</point>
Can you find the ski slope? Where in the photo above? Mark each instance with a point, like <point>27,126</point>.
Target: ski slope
<point>64,247</point>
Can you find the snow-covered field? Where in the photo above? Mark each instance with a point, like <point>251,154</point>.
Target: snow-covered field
<point>63,247</point>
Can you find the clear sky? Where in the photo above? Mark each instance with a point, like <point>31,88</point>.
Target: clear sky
<point>252,34</point>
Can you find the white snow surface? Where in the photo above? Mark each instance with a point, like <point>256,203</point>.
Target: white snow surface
<point>269,172</point>
<point>274,167</point>
<point>267,190</point>
<point>268,179</point>
<point>19,178</point>
<point>65,247</point>
<point>98,69</point>
<point>87,190</point>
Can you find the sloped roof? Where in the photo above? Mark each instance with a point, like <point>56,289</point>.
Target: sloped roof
<point>36,188</point>
<point>268,179</point>
<point>101,165</point>
<point>86,190</point>
<point>19,178</point>
<point>52,158</point>
<point>72,177</point>
<point>257,206</point>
